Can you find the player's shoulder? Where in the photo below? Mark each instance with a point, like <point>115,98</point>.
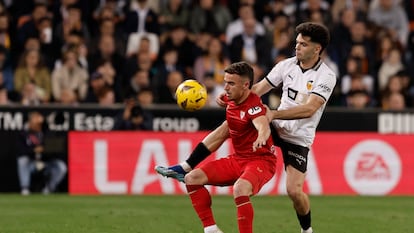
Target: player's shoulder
<point>326,69</point>
<point>292,61</point>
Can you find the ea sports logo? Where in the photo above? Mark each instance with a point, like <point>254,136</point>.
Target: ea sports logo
<point>372,167</point>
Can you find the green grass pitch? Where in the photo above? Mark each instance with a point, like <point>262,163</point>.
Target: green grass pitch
<point>174,214</point>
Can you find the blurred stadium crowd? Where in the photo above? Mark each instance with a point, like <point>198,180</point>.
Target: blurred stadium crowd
<point>108,51</point>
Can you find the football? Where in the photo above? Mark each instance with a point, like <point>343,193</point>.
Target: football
<point>191,95</point>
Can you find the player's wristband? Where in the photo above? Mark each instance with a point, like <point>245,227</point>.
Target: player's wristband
<point>199,154</point>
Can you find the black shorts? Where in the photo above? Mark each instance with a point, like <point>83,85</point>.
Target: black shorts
<point>294,155</point>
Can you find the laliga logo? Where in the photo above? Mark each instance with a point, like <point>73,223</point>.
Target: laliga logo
<point>372,167</point>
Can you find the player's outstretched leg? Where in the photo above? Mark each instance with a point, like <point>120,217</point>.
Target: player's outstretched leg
<point>176,171</point>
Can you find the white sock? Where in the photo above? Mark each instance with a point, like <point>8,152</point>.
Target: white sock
<point>185,166</point>
<point>211,228</point>
<point>309,230</point>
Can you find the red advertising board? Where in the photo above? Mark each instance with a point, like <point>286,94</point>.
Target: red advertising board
<point>338,164</point>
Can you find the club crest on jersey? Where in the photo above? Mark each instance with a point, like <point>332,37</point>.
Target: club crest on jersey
<point>309,85</point>
<point>242,114</point>
<point>254,110</point>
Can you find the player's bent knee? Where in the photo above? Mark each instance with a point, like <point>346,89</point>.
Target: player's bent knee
<point>195,177</point>
<point>242,187</point>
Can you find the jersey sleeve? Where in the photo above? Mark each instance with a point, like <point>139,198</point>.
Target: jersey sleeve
<point>256,108</point>
<point>274,77</point>
<point>325,86</point>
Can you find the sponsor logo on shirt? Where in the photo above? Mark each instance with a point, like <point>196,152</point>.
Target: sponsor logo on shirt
<point>292,93</point>
<point>254,110</point>
<point>324,87</point>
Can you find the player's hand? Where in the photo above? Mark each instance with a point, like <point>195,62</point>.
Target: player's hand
<point>220,100</point>
<point>259,143</point>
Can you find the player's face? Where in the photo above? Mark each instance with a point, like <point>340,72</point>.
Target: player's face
<point>306,50</point>
<point>235,86</point>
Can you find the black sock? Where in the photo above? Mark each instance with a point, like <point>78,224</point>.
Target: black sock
<point>199,154</point>
<point>304,220</point>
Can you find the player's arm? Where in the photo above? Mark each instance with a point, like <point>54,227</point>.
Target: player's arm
<point>301,111</point>
<point>261,123</point>
<point>262,87</point>
<point>209,144</point>
<point>216,137</point>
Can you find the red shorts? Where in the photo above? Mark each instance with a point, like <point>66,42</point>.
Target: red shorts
<point>226,171</point>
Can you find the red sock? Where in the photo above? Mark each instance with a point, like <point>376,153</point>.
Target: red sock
<point>201,200</point>
<point>244,214</point>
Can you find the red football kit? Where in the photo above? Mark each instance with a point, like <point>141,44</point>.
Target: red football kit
<point>257,167</point>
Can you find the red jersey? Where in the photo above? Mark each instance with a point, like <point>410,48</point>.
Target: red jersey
<point>242,131</point>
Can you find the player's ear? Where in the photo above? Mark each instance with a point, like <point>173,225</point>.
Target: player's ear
<point>318,49</point>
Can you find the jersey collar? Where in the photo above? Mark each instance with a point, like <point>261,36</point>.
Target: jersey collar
<point>315,67</point>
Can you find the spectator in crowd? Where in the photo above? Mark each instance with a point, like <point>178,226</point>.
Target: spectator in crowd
<point>75,41</point>
<point>73,22</point>
<point>141,18</point>
<point>214,90</point>
<point>166,92</point>
<point>391,65</point>
<point>29,96</point>
<point>4,98</point>
<point>143,42</point>
<point>48,45</point>
<point>236,27</point>
<point>251,47</point>
<point>280,35</point>
<point>114,8</point>
<point>210,17</point>
<point>60,10</point>
<point>133,117</point>
<point>407,83</point>
<point>212,61</point>
<point>106,51</point>
<point>70,76</point>
<point>358,99</point>
<point>27,24</point>
<point>31,70</point>
<point>107,28</point>
<point>358,6</point>
<point>309,7</point>
<point>178,39</point>
<point>398,83</point>
<point>139,81</point>
<point>279,7</point>
<point>391,16</point>
<point>145,97</point>
<point>393,102</point>
<point>342,27</point>
<point>140,61</point>
<point>111,78</point>
<point>354,75</point>
<point>172,13</point>
<point>6,70</point>
<point>96,84</point>
<point>106,97</point>
<point>31,157</point>
<point>168,64</point>
<point>5,39</point>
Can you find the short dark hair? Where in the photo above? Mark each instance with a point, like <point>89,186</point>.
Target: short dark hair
<point>318,33</point>
<point>243,69</point>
